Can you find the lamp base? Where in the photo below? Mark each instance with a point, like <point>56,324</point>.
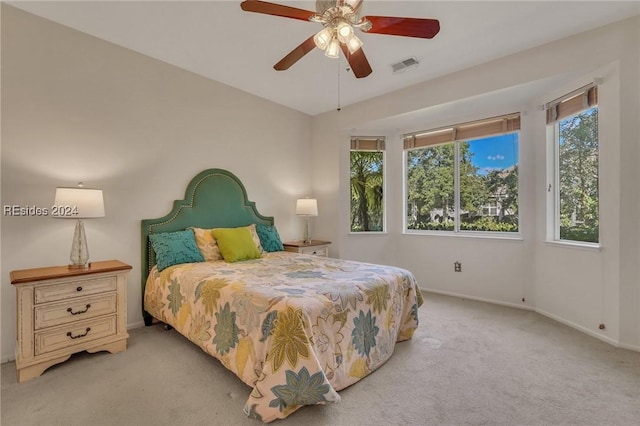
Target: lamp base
<point>79,249</point>
<point>307,232</point>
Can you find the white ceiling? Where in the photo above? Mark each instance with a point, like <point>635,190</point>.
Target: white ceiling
<point>216,39</point>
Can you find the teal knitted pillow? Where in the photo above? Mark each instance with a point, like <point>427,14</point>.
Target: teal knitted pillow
<point>269,238</point>
<point>173,248</point>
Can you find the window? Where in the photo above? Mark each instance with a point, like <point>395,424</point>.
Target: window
<point>491,208</point>
<point>463,178</point>
<point>367,184</point>
<point>573,191</point>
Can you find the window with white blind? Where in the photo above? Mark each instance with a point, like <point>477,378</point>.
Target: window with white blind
<point>573,151</point>
<point>367,184</point>
<point>463,178</point>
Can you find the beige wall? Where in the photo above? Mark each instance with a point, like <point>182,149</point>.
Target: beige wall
<point>75,108</point>
<point>579,287</point>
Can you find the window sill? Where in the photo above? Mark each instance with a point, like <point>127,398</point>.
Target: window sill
<point>369,233</point>
<point>574,245</point>
<point>479,236</point>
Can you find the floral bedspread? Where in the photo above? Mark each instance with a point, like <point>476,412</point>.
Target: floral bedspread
<point>296,328</point>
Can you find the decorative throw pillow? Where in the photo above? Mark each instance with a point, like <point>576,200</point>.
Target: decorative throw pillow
<point>269,238</point>
<point>173,248</point>
<point>207,244</point>
<point>236,244</point>
<point>255,236</point>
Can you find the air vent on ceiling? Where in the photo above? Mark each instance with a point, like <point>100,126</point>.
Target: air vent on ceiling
<point>403,65</point>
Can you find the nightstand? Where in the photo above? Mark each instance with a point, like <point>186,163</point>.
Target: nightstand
<point>61,311</point>
<point>316,247</point>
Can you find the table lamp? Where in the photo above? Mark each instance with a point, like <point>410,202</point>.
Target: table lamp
<point>78,203</point>
<point>307,207</point>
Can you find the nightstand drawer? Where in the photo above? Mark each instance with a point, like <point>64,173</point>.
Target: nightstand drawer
<point>74,334</point>
<point>53,292</point>
<point>318,251</point>
<point>76,309</point>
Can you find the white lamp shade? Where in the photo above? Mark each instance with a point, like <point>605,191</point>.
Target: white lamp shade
<point>323,38</point>
<point>333,48</point>
<point>344,31</point>
<point>79,203</point>
<point>307,207</point>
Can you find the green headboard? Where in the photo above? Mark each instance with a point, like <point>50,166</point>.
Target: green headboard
<point>214,198</point>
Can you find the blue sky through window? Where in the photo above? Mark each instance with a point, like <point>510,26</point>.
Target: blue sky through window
<point>494,153</point>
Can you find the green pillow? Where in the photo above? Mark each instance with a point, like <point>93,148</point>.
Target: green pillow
<point>236,244</point>
<point>269,238</point>
<point>173,248</point>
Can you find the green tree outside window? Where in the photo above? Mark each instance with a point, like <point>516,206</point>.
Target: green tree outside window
<point>578,175</point>
<point>367,186</point>
<point>488,196</point>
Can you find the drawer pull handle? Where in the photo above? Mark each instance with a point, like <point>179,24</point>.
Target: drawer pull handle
<point>70,310</point>
<point>78,288</point>
<point>79,335</point>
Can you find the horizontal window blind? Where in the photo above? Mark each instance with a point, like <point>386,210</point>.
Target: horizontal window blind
<point>471,130</point>
<point>367,143</point>
<point>572,103</point>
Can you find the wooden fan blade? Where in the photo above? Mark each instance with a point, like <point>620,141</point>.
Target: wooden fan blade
<point>407,27</point>
<point>295,55</point>
<point>358,62</point>
<point>276,9</point>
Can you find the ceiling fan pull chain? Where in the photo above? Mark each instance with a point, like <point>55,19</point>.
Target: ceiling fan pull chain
<point>339,65</point>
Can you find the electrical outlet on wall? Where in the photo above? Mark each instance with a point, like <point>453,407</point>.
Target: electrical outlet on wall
<point>457,266</point>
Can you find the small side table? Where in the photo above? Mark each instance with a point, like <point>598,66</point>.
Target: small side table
<point>315,247</point>
<point>62,311</point>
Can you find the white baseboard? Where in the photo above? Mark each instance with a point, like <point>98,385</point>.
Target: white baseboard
<point>133,325</point>
<point>561,320</point>
<point>629,347</point>
<point>606,339</point>
<point>479,299</point>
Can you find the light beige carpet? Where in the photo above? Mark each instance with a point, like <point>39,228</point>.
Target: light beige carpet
<point>470,363</point>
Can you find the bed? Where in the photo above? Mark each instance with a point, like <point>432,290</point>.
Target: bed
<point>296,328</point>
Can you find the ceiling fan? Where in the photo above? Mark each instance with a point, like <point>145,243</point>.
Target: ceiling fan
<point>339,18</point>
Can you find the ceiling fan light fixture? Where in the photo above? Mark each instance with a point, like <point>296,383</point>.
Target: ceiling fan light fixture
<point>323,38</point>
<point>352,3</point>
<point>354,44</point>
<point>344,31</point>
<point>339,18</point>
<point>333,48</point>
<point>365,24</point>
